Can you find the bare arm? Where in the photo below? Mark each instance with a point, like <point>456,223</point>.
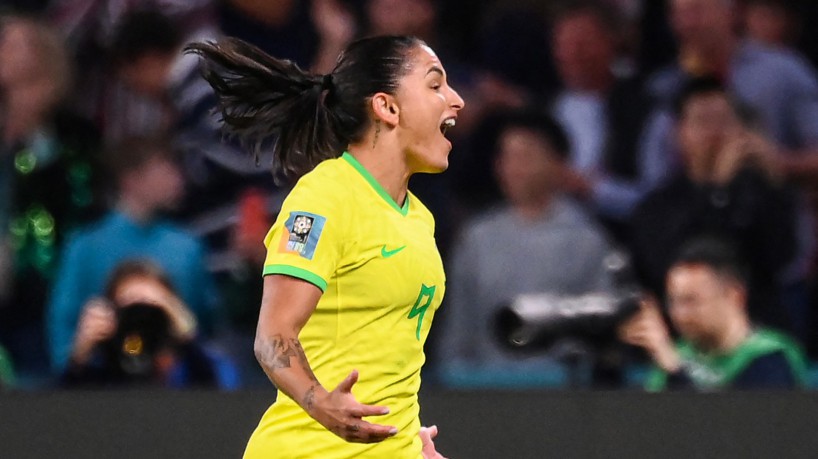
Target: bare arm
<point>286,305</point>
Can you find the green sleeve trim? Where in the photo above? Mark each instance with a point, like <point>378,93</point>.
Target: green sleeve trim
<point>377,186</point>
<point>298,273</point>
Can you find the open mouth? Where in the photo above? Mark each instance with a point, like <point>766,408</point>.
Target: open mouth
<point>447,124</point>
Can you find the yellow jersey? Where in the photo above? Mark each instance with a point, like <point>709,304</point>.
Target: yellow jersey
<point>382,280</point>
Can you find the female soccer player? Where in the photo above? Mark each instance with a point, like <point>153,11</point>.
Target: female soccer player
<point>352,276</point>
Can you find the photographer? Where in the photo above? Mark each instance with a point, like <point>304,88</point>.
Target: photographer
<point>141,332</point>
<point>719,348</point>
<point>729,186</point>
<point>537,240</point>
<point>148,183</point>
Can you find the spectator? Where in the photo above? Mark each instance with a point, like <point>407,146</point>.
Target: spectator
<point>602,112</point>
<point>779,87</point>
<point>220,175</point>
<point>278,27</point>
<point>48,180</point>
<point>729,186</point>
<point>148,182</point>
<point>720,348</point>
<point>538,240</point>
<point>141,332</point>
<point>153,65</point>
<point>88,27</point>
<point>775,23</point>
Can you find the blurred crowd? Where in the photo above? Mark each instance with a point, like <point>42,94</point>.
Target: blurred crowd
<point>608,145</point>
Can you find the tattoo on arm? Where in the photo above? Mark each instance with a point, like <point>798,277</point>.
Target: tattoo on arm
<point>309,398</point>
<point>278,352</point>
<point>283,350</point>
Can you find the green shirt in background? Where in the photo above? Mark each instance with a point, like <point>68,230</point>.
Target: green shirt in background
<point>709,371</point>
<point>6,370</point>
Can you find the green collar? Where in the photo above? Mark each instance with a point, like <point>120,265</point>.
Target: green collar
<point>375,185</point>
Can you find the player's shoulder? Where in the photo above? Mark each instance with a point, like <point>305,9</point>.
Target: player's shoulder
<point>328,174</point>
<point>328,182</point>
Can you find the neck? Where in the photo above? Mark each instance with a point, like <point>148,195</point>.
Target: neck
<point>735,334</point>
<point>138,211</point>
<point>730,338</point>
<point>390,170</point>
<point>599,85</point>
<point>533,208</point>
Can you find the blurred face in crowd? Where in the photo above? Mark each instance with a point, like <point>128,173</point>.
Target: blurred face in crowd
<point>401,17</point>
<point>769,23</point>
<point>148,74</point>
<point>702,23</point>
<point>584,50</point>
<point>157,184</point>
<point>702,304</point>
<point>424,101</point>
<point>527,167</point>
<point>29,91</point>
<point>706,123</point>
<point>140,289</point>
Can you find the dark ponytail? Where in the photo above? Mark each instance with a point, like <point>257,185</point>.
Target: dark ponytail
<point>261,98</point>
<point>310,117</point>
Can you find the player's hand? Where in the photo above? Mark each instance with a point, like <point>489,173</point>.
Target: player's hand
<point>97,323</point>
<point>427,435</point>
<point>341,414</point>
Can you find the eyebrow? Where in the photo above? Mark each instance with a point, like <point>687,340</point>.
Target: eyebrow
<point>435,68</point>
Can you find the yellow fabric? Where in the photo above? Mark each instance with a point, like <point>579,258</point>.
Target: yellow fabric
<point>383,281</point>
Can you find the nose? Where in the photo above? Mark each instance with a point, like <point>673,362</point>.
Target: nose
<point>455,101</point>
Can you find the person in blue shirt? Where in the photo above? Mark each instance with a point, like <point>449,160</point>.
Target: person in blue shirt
<point>148,182</point>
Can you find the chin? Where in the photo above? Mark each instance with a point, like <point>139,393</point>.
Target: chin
<point>438,166</point>
<point>432,163</point>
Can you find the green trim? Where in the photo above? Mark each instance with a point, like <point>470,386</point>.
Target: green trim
<point>719,370</point>
<point>298,273</point>
<point>377,186</point>
<point>6,370</point>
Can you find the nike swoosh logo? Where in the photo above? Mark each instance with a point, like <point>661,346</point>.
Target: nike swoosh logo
<point>388,253</point>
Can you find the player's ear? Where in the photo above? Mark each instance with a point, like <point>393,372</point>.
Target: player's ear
<point>385,108</point>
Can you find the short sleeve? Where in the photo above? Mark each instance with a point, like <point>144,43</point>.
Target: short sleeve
<point>305,241</point>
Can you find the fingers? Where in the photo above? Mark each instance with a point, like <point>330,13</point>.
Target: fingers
<point>98,319</point>
<point>361,411</point>
<point>360,431</point>
<point>348,423</point>
<point>346,385</point>
<point>427,434</point>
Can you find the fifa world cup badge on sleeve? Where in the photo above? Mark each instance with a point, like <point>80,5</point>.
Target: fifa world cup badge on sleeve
<point>303,230</point>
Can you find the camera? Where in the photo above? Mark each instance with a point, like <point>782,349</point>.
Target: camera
<point>537,321</point>
<point>143,329</point>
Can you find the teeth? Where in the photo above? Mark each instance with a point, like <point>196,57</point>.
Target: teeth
<point>450,122</point>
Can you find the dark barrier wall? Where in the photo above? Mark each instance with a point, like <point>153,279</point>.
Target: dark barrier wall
<point>473,425</point>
